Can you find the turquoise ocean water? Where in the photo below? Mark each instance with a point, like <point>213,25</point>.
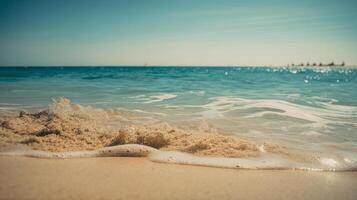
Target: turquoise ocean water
<point>308,109</point>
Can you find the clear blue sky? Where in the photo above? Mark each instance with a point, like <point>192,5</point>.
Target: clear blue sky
<point>180,32</point>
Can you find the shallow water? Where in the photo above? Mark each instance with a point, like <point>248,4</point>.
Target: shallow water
<point>312,110</point>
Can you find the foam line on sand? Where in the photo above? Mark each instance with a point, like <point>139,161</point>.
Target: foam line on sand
<point>127,150</point>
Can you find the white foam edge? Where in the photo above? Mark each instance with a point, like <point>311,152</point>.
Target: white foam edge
<point>127,150</point>
<point>266,161</point>
<point>263,162</point>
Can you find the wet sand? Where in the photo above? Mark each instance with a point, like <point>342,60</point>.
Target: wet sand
<point>139,178</point>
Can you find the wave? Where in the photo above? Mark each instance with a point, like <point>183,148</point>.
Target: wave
<point>198,92</point>
<point>68,130</point>
<point>155,98</point>
<point>322,114</point>
<point>161,97</point>
<point>66,126</point>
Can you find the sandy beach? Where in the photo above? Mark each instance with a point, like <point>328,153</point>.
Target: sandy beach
<point>139,178</point>
<point>178,100</point>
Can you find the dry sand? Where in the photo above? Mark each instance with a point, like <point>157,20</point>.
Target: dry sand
<point>138,178</point>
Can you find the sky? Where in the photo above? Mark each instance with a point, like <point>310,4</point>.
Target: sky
<point>177,33</point>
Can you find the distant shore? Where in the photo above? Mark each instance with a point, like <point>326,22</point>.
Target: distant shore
<point>138,178</point>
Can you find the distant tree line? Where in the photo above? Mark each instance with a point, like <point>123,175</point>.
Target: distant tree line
<point>320,64</point>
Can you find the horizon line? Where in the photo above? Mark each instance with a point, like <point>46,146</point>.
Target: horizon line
<point>173,66</point>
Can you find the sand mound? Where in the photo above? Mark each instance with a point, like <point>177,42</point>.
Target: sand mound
<point>66,126</point>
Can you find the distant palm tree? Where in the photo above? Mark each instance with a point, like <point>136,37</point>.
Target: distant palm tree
<point>320,64</point>
<point>343,64</point>
<point>313,64</point>
<point>307,64</point>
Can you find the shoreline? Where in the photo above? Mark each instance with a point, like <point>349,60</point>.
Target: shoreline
<point>138,178</point>
<point>68,130</point>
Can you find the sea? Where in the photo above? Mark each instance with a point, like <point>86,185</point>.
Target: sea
<point>308,109</point>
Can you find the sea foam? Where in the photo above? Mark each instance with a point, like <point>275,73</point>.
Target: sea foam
<point>68,130</point>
